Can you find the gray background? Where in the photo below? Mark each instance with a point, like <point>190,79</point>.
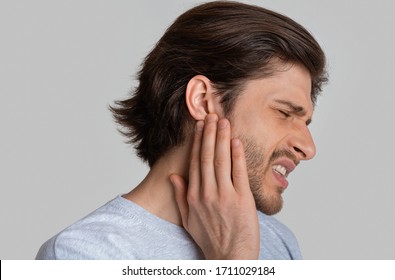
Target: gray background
<point>63,62</point>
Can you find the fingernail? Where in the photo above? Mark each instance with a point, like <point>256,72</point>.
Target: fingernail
<point>222,123</point>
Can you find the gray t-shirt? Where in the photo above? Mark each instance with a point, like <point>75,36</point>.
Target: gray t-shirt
<point>122,229</point>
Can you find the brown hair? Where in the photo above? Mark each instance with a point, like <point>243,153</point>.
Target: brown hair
<point>229,43</point>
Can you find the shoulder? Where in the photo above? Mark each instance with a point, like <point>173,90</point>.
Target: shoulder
<point>278,240</point>
<point>99,235</point>
<point>120,230</point>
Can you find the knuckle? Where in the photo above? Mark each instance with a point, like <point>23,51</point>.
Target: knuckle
<point>192,199</point>
<point>238,174</point>
<point>237,155</point>
<point>219,162</point>
<point>206,158</point>
<point>207,198</point>
<point>194,163</point>
<point>222,135</point>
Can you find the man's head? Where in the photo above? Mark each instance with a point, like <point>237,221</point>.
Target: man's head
<point>271,117</point>
<point>228,46</point>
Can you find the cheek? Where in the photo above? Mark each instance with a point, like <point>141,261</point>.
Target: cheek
<point>274,131</point>
<point>258,126</point>
<point>250,125</point>
<point>264,134</point>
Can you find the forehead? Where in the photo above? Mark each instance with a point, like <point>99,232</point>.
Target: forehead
<point>291,83</point>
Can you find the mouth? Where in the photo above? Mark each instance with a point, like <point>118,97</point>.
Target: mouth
<point>281,169</point>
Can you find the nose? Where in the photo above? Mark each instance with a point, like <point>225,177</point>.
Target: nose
<point>302,143</point>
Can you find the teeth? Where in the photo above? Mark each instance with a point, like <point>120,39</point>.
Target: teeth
<point>280,169</point>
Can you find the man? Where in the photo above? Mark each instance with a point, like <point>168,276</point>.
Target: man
<point>221,115</point>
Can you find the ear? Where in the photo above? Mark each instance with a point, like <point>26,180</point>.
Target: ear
<point>201,98</point>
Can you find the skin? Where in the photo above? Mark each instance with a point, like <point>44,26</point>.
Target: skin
<point>272,118</point>
<point>218,204</point>
<point>213,184</point>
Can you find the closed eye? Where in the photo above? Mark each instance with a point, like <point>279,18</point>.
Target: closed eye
<point>285,114</point>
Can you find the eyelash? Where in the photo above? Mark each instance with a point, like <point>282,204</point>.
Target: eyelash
<point>284,113</point>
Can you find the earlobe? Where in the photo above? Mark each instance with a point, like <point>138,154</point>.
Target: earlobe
<point>201,98</point>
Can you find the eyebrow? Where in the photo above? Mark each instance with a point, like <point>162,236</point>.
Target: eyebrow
<point>294,109</point>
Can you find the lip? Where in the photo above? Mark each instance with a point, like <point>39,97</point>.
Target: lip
<point>281,179</point>
<point>289,165</point>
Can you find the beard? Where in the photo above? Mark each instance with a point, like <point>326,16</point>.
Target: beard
<point>268,199</point>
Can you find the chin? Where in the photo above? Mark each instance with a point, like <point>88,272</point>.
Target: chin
<point>268,203</point>
<point>267,195</point>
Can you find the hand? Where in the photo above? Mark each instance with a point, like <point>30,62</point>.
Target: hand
<point>217,207</point>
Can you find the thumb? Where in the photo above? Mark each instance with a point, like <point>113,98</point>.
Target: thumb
<point>181,189</point>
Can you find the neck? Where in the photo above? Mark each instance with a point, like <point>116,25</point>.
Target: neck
<point>155,193</point>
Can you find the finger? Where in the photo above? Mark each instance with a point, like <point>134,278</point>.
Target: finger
<point>207,155</point>
<point>194,166</point>
<point>222,161</point>
<point>239,167</point>
<point>180,189</point>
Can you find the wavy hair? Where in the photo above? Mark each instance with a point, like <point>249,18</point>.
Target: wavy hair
<point>229,43</point>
